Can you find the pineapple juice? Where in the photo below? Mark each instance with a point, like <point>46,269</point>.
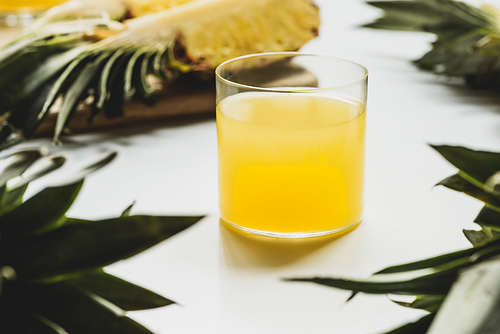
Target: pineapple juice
<point>290,163</point>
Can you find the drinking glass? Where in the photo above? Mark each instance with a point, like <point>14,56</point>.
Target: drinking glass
<point>291,143</point>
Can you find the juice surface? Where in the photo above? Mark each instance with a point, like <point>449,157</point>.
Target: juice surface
<point>290,163</point>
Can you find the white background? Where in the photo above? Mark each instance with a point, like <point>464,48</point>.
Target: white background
<point>226,282</point>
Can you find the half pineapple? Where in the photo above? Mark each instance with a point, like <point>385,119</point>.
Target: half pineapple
<point>84,51</point>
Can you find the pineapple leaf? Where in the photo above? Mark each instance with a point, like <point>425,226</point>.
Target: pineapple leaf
<point>14,195</point>
<point>458,183</point>
<point>59,85</point>
<point>20,161</point>
<point>479,237</point>
<point>437,16</point>
<point>418,327</point>
<point>23,322</point>
<point>125,295</point>
<point>429,286</point>
<point>70,221</point>
<point>45,210</point>
<point>52,163</point>
<point>429,303</point>
<point>74,310</point>
<point>441,259</point>
<point>478,177</point>
<point>488,217</point>
<point>404,15</point>
<point>40,213</point>
<point>428,263</point>
<point>467,37</point>
<point>109,72</point>
<point>127,210</point>
<point>51,276</point>
<point>78,247</point>
<point>24,115</point>
<point>476,167</point>
<point>437,282</point>
<point>77,92</point>
<point>133,63</point>
<point>113,106</point>
<point>35,73</point>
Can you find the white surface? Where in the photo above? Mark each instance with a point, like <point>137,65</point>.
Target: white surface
<point>228,283</point>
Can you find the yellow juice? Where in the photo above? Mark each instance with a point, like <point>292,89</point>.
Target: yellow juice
<point>290,163</point>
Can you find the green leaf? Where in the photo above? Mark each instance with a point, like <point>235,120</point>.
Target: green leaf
<point>76,92</point>
<point>76,221</point>
<point>439,260</point>
<point>12,199</point>
<point>127,296</point>
<point>23,75</point>
<point>404,15</point>
<point>476,166</point>
<point>52,164</point>
<point>488,217</point>
<point>61,84</point>
<point>428,263</point>
<point>17,321</point>
<point>42,212</point>
<point>458,183</point>
<point>467,37</point>
<point>477,238</point>
<point>437,282</point>
<point>133,63</point>
<point>412,287</point>
<point>14,196</point>
<point>430,303</point>
<point>419,327</point>
<point>436,16</point>
<point>20,161</point>
<point>18,164</point>
<point>104,85</point>
<point>126,212</point>
<point>80,247</point>
<point>72,309</point>
<point>115,80</point>
<point>25,114</point>
<point>453,57</point>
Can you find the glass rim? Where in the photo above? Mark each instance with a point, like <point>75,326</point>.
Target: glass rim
<point>291,89</point>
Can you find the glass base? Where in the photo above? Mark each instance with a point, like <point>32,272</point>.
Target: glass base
<point>295,235</point>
